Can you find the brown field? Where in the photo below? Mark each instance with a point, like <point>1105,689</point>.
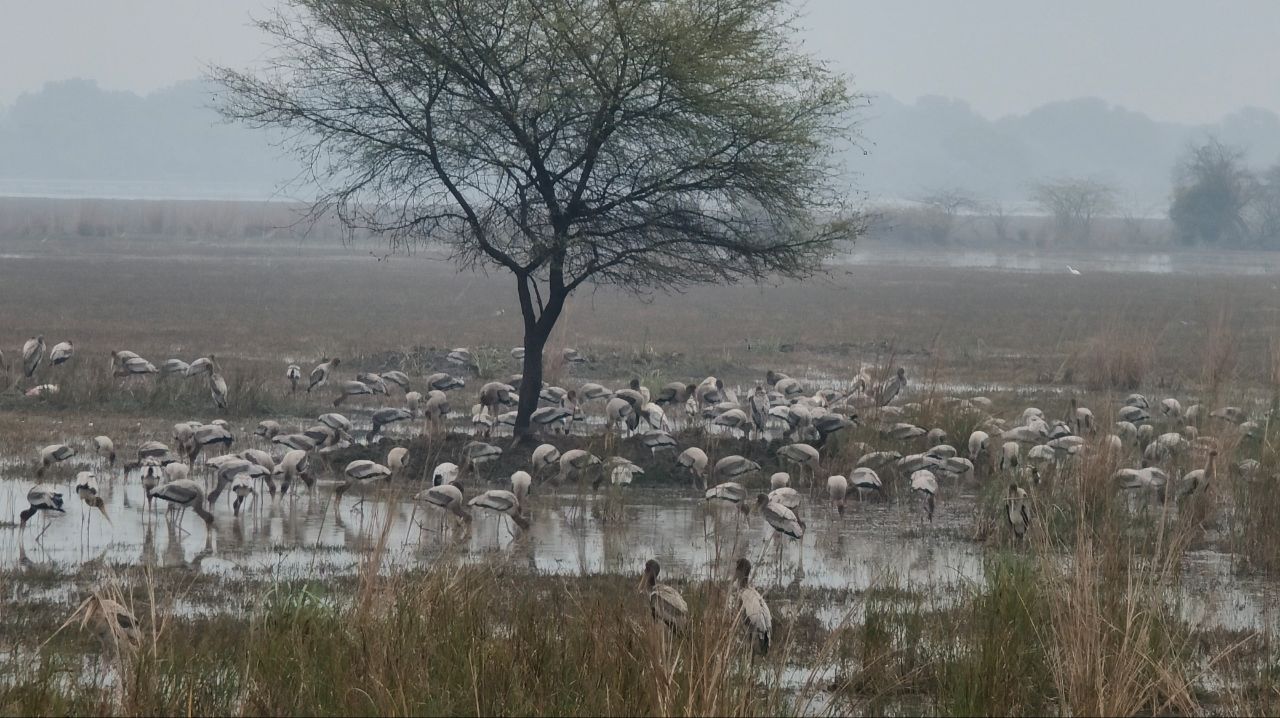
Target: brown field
<point>298,301</point>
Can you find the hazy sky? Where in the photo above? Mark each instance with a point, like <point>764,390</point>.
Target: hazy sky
<point>1187,60</point>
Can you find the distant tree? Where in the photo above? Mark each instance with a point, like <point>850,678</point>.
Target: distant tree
<point>1263,212</point>
<point>942,210</point>
<point>998,215</point>
<point>1074,204</point>
<point>1212,188</point>
<point>645,145</point>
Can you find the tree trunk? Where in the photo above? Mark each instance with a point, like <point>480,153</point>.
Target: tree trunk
<point>535,340</point>
<point>536,333</point>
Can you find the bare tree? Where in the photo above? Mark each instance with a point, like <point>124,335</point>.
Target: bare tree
<point>646,145</point>
<point>1074,202</point>
<point>998,216</point>
<point>943,209</point>
<point>1265,212</point>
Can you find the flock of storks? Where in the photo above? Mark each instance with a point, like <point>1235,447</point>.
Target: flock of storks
<point>1157,436</point>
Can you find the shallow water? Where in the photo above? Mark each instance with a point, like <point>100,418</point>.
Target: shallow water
<point>613,531</point>
<point>875,544</point>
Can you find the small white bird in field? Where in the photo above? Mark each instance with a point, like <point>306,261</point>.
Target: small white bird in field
<point>1073,270</point>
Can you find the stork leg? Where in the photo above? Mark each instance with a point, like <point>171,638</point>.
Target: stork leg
<point>47,524</point>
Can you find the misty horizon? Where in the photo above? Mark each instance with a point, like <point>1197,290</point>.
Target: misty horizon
<point>75,137</point>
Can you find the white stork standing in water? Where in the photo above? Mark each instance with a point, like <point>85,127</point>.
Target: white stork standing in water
<point>1018,510</point>
<point>320,375</point>
<point>105,449</point>
<point>446,496</point>
<point>209,435</point>
<point>61,353</point>
<point>837,489</point>
<point>574,465</point>
<point>665,603</point>
<point>187,494</point>
<point>40,498</point>
<point>503,502</point>
<point>734,467</point>
<point>730,492</point>
<point>53,454</point>
<point>866,479</point>
<point>520,483</point>
<point>295,465</point>
<point>786,496</point>
<point>386,416</point>
<point>545,458</point>
<point>294,375</point>
<point>925,485</point>
<point>242,487</point>
<point>757,621</point>
<point>87,490</point>
<point>360,472</point>
<point>396,458</point>
<point>803,456</point>
<point>152,473</point>
<point>445,473</point>
<point>695,461</point>
<point>782,519</point>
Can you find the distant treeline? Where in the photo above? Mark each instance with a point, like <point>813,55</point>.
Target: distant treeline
<point>41,218</point>
<point>926,226</point>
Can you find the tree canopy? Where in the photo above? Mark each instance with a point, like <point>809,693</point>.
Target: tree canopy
<point>1212,187</point>
<point>636,143</point>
